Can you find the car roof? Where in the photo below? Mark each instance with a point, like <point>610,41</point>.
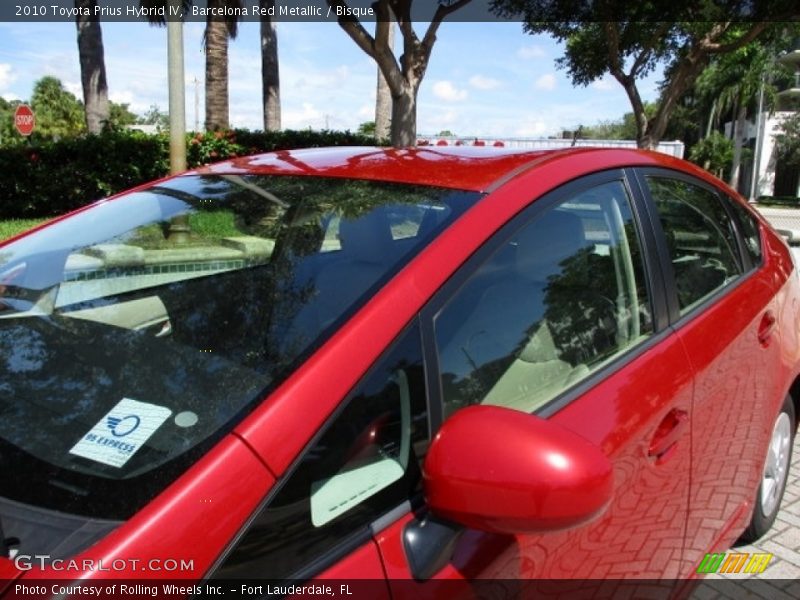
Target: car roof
<point>465,168</point>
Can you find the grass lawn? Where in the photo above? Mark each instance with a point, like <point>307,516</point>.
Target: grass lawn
<point>14,226</point>
<point>206,227</point>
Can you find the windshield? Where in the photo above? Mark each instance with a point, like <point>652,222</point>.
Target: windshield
<point>135,334</point>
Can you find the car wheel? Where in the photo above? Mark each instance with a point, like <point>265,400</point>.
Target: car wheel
<point>776,472</point>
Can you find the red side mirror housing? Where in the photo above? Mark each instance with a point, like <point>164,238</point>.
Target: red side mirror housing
<point>500,470</point>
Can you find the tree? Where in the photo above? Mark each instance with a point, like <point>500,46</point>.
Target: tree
<point>219,29</point>
<point>155,116</point>
<point>120,116</point>
<point>270,71</point>
<point>404,76</point>
<point>383,98</point>
<point>628,42</point>
<point>714,152</point>
<point>93,67</point>
<point>8,134</point>
<point>787,141</point>
<point>367,128</point>
<point>58,112</point>
<point>732,83</point>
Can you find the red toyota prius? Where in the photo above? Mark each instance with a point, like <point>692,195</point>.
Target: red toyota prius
<point>407,366</point>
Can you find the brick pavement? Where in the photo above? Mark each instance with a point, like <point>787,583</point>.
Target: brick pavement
<point>781,579</point>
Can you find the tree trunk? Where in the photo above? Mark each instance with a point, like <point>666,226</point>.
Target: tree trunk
<point>93,68</point>
<point>383,100</point>
<point>404,118</point>
<point>217,112</point>
<point>738,142</point>
<point>270,72</point>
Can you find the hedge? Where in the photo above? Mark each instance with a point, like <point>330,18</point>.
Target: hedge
<point>50,178</point>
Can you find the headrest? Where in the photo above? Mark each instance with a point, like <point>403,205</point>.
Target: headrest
<point>366,238</point>
<point>544,244</point>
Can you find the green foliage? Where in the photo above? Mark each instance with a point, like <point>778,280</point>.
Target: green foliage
<point>367,128</point>
<point>714,153</point>
<point>120,116</point>
<point>155,116</point>
<point>787,142</point>
<point>58,112</point>
<point>47,178</point>
<point>8,135</point>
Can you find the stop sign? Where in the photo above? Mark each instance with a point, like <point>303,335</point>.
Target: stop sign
<point>24,120</point>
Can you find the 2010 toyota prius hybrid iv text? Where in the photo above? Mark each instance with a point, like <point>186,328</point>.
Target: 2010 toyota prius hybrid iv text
<point>405,365</point>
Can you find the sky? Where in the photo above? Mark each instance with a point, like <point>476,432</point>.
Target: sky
<point>484,80</point>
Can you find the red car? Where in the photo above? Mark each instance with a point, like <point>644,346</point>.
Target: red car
<point>408,366</point>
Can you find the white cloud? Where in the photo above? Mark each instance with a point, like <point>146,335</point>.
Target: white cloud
<point>7,76</point>
<point>307,116</point>
<point>367,112</point>
<point>74,88</point>
<point>9,97</point>
<point>546,82</point>
<point>445,90</point>
<point>481,82</point>
<point>531,52</point>
<point>605,84</point>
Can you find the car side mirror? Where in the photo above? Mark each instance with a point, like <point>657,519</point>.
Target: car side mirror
<point>500,470</point>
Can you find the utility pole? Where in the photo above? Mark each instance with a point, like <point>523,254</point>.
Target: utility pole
<point>179,225</point>
<point>177,93</point>
<point>196,83</point>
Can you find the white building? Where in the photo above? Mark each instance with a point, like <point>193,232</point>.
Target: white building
<point>773,178</point>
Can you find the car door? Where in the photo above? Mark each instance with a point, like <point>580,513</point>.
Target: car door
<point>560,315</point>
<point>722,307</point>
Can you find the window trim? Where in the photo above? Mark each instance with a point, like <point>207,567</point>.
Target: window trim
<point>653,280</point>
<point>676,319</point>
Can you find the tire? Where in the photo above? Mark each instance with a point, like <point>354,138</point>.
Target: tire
<point>775,474</point>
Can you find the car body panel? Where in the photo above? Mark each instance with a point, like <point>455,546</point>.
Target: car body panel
<point>641,533</point>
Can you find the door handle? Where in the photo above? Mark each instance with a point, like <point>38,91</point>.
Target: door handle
<point>766,328</point>
<point>669,431</point>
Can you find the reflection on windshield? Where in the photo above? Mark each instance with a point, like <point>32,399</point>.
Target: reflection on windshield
<point>135,334</point>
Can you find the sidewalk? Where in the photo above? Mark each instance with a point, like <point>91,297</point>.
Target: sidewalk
<point>781,579</point>
<point>785,220</point>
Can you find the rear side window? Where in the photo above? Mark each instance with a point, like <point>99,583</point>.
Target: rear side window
<point>701,239</point>
<point>750,231</point>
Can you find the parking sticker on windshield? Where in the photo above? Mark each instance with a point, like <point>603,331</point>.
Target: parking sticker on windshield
<point>121,432</point>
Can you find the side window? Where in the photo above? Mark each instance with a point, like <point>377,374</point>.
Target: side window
<point>750,230</point>
<point>365,463</point>
<point>563,297</point>
<point>700,237</point>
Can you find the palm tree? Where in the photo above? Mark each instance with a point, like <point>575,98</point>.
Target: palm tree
<point>93,67</point>
<point>218,31</point>
<point>270,73</point>
<point>215,41</point>
<point>732,84</point>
